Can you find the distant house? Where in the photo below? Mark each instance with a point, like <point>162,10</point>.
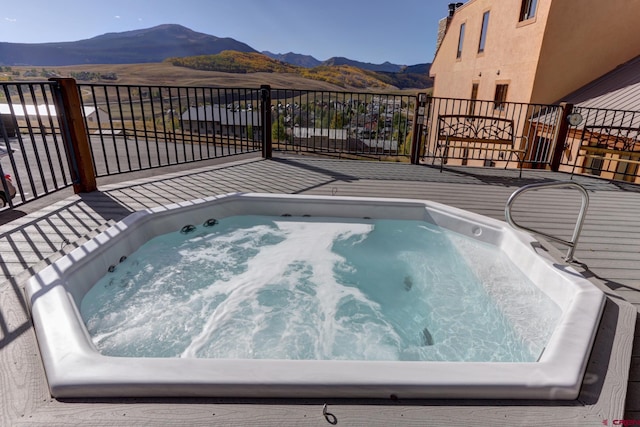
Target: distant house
<point>15,115</point>
<point>218,119</point>
<point>309,133</point>
<point>96,116</point>
<point>390,104</point>
<point>364,125</point>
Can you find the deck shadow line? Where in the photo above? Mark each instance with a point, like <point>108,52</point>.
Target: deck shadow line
<point>337,176</point>
<point>504,181</point>
<point>105,205</point>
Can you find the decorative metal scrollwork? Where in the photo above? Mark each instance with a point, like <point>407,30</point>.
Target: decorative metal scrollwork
<point>476,127</point>
<point>615,138</point>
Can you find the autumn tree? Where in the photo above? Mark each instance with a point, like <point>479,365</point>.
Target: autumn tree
<point>278,129</point>
<point>337,120</point>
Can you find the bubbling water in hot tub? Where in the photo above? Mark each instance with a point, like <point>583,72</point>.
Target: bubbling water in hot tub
<point>316,288</point>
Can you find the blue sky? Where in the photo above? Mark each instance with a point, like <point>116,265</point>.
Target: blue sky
<point>398,31</point>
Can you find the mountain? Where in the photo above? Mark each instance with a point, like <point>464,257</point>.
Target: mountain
<point>385,67</point>
<point>184,47</point>
<point>418,69</point>
<point>306,61</point>
<point>137,46</point>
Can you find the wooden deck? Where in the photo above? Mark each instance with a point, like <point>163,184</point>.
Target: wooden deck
<point>609,250</point>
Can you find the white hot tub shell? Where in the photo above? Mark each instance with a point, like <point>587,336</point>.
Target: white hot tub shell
<point>75,368</point>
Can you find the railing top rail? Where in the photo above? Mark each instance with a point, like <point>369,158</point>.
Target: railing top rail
<point>474,117</point>
<point>163,86</point>
<point>492,101</point>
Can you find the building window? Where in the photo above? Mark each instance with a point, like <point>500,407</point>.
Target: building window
<point>500,97</point>
<point>474,95</point>
<point>483,32</point>
<point>528,9</point>
<point>460,41</point>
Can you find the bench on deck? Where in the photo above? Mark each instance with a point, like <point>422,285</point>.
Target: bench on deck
<point>606,138</point>
<point>481,133</point>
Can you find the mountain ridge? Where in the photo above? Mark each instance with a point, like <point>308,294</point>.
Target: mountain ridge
<point>184,47</point>
<point>154,44</point>
<point>309,61</point>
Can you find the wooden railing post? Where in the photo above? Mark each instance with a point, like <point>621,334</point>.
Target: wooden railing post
<point>561,135</point>
<point>267,143</point>
<point>418,124</point>
<point>74,134</point>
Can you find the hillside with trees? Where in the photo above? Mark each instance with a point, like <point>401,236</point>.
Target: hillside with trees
<point>345,76</point>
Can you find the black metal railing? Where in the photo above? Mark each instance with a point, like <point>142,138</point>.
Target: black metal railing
<point>604,143</point>
<point>142,127</point>
<point>32,146</point>
<point>132,127</point>
<point>368,125</point>
<point>532,124</point>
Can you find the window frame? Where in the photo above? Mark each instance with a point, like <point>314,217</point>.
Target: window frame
<point>500,96</point>
<point>483,31</point>
<point>475,87</point>
<point>528,9</point>
<point>460,40</point>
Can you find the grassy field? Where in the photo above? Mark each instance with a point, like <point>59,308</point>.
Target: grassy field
<point>166,74</point>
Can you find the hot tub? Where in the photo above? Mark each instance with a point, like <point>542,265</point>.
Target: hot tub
<point>75,368</point>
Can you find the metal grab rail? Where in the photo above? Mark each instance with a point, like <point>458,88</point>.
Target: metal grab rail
<point>580,221</point>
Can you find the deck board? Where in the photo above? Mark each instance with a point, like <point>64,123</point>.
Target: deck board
<point>610,248</point>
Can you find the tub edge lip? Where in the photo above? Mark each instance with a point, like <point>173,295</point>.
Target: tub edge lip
<point>73,374</point>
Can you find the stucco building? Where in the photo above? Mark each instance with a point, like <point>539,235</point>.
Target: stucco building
<point>531,51</point>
